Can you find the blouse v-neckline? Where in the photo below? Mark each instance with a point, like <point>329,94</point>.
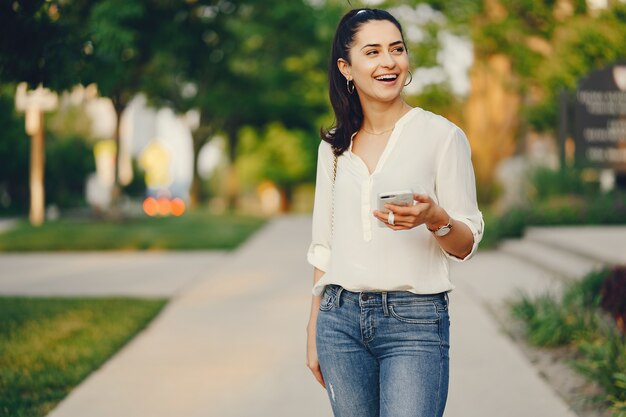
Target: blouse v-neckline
<point>393,138</point>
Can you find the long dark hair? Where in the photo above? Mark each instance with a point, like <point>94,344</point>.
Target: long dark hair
<point>347,107</point>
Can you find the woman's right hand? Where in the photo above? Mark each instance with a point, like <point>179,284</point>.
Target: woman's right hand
<point>311,352</point>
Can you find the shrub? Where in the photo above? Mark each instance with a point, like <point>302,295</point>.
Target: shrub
<point>547,182</point>
<point>577,319</point>
<point>557,210</point>
<point>68,162</point>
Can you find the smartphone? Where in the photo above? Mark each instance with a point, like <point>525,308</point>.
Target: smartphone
<point>399,198</point>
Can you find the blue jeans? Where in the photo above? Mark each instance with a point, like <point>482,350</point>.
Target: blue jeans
<point>384,354</point>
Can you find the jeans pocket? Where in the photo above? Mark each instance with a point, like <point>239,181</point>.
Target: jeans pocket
<point>328,300</point>
<point>415,313</point>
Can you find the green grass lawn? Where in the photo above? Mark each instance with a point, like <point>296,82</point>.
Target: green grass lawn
<point>194,230</point>
<point>49,345</point>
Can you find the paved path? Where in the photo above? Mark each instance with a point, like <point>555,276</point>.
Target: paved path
<point>152,274</point>
<point>231,342</point>
<point>231,345</point>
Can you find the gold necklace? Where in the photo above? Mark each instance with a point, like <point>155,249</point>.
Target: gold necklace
<point>377,134</point>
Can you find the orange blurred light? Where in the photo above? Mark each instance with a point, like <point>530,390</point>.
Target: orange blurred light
<point>178,207</point>
<point>165,207</point>
<point>150,206</point>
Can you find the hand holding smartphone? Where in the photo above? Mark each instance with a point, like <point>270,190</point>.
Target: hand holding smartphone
<point>398,198</point>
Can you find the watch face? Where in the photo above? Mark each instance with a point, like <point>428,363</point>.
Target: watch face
<point>443,231</point>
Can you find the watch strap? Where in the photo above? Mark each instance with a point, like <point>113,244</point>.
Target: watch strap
<point>442,230</point>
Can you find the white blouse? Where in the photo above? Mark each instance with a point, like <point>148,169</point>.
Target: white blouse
<point>425,153</point>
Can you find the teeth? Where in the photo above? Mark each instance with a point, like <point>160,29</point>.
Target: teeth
<point>387,77</point>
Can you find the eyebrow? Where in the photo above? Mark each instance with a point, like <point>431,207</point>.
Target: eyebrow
<point>377,45</point>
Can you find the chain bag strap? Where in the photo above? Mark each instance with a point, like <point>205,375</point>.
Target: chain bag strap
<point>332,224</point>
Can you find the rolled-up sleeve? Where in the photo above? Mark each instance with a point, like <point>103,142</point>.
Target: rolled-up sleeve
<point>319,251</point>
<point>455,187</point>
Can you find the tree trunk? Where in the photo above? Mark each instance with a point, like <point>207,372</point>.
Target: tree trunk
<point>492,113</point>
<point>37,170</point>
<point>286,198</point>
<point>119,109</point>
<point>201,137</point>
<point>232,183</point>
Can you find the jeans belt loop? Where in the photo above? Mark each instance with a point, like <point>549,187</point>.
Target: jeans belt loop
<point>338,297</point>
<point>385,308</point>
<point>447,298</point>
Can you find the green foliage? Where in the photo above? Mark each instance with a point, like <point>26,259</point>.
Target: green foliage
<point>553,321</point>
<point>536,16</point>
<point>579,43</point>
<point>437,98</point>
<point>459,12</point>
<point>509,34</point>
<point>547,183</point>
<point>603,360</point>
<point>193,230</point>
<point>119,39</point>
<point>619,404</point>
<point>285,157</point>
<point>575,319</point>
<point>137,186</point>
<point>40,42</point>
<point>561,197</point>
<point>547,323</point>
<point>68,162</point>
<point>69,120</point>
<point>582,45</point>
<point>49,345</point>
<point>542,116</point>
<point>278,77</point>
<point>246,63</point>
<point>607,208</point>
<point>424,53</point>
<point>14,154</point>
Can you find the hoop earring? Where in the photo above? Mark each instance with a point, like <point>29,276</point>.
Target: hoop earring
<point>411,79</point>
<point>348,86</point>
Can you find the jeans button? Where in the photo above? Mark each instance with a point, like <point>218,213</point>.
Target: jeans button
<point>364,297</point>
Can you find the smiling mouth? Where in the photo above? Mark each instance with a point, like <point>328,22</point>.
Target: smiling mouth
<point>388,78</point>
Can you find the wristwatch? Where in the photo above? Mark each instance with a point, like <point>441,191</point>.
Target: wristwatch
<point>443,230</point>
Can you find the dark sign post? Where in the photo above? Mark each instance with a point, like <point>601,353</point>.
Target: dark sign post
<point>600,119</point>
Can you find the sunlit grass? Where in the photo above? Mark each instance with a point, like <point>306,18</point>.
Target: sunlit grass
<point>49,345</point>
<point>194,230</point>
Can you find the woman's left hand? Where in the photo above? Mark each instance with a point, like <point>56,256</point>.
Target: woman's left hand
<point>423,211</point>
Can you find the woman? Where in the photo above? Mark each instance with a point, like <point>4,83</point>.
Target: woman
<point>378,330</point>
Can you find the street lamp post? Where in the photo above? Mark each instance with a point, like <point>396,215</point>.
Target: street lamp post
<point>34,103</point>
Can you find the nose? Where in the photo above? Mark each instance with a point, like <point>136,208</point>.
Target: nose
<point>388,60</point>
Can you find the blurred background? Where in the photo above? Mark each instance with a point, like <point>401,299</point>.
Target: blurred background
<point>155,108</point>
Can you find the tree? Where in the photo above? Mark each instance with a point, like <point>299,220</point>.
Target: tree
<point>14,156</point>
<point>285,157</point>
<point>235,68</point>
<point>41,42</point>
<point>189,69</point>
<point>584,44</point>
<point>40,46</point>
<point>119,46</point>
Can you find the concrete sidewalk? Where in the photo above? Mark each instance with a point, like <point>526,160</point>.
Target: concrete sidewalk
<point>232,344</point>
<point>151,274</point>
